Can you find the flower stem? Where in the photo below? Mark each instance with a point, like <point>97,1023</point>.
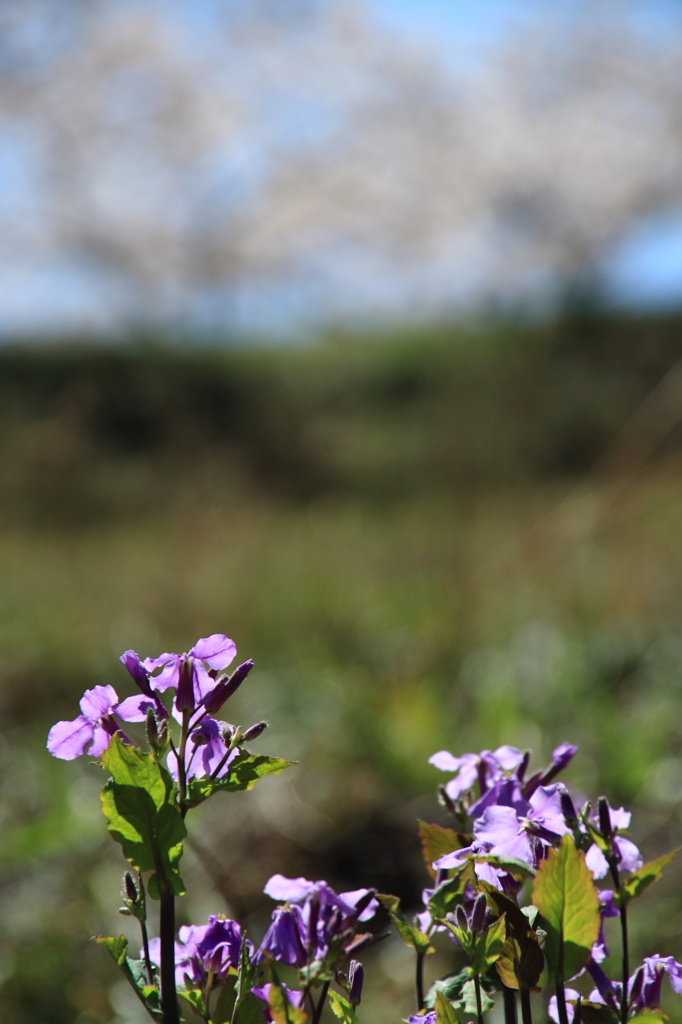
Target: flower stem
<point>479,1007</point>
<point>509,996</point>
<point>525,1006</point>
<point>419,981</point>
<point>169,999</point>
<point>626,962</point>
<point>320,1006</point>
<point>143,928</point>
<point>561,1002</point>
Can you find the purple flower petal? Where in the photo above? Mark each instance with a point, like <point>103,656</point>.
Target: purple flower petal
<point>353,898</point>
<point>216,650</point>
<point>563,755</point>
<point>596,862</point>
<point>134,709</point>
<point>570,993</point>
<point>168,676</point>
<point>293,890</point>
<point>629,857</point>
<point>508,758</point>
<point>67,740</point>
<point>546,810</point>
<point>98,702</point>
<point>446,761</point>
<point>100,740</point>
<point>131,661</point>
<point>620,818</point>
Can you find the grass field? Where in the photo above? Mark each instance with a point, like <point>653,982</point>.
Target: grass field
<point>384,626</point>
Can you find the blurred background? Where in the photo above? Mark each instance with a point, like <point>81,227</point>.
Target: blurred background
<point>352,330</point>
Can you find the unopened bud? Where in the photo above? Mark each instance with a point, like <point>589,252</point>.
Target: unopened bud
<point>227,731</point>
<point>224,690</point>
<point>523,767</point>
<point>130,889</point>
<point>152,729</point>
<point>198,738</point>
<point>356,976</point>
<point>184,700</point>
<point>461,918</point>
<point>254,731</point>
<point>445,800</point>
<point>478,914</point>
<point>567,806</point>
<point>636,986</point>
<point>604,817</point>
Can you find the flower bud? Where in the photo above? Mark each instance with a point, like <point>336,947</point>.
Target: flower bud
<point>254,731</point>
<point>461,918</point>
<point>523,767</point>
<point>184,700</point>
<point>605,818</point>
<point>227,732</point>
<point>567,806</point>
<point>478,914</point>
<point>636,986</point>
<point>130,890</point>
<point>356,976</point>
<point>224,690</point>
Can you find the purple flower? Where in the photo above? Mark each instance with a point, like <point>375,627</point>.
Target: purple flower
<point>207,749</point>
<point>489,769</point>
<point>216,652</point>
<point>313,919</point>
<point>204,948</point>
<point>625,853</point>
<point>515,831</point>
<point>96,725</point>
<point>294,998</point>
<point>644,986</point>
<point>570,994</point>
<point>429,1018</point>
<point>561,757</point>
<point>607,908</point>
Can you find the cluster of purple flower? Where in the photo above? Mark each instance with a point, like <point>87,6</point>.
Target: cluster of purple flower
<point>201,688</point>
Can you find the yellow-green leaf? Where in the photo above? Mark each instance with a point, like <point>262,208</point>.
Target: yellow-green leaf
<point>341,1008</point>
<point>245,771</point>
<point>642,879</point>
<point>410,935</point>
<point>142,814</point>
<point>565,895</point>
<point>445,1012</point>
<point>437,841</point>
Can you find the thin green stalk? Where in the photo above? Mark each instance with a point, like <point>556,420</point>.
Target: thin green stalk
<point>169,999</point>
<point>526,1016</point>
<point>419,980</point>
<point>317,1016</point>
<point>479,1007</point>
<point>509,995</point>
<point>561,1001</point>
<point>626,962</point>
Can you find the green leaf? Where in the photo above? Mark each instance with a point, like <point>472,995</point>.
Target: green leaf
<point>649,1017</point>
<point>513,865</point>
<point>565,895</point>
<point>488,946</point>
<point>342,1008</point>
<point>139,803</point>
<point>445,1011</point>
<point>147,994</point>
<point>448,894</point>
<point>521,961</point>
<point>437,841</point>
<point>195,999</point>
<point>642,879</point>
<point>281,1010</point>
<point>596,1013</point>
<point>410,935</point>
<point>244,773</point>
<point>460,990</point>
<point>250,1011</point>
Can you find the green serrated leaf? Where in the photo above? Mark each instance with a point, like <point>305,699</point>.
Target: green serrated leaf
<point>410,935</point>
<point>566,897</point>
<point>341,1008</point>
<point>642,879</point>
<point>649,1017</point>
<point>244,773</point>
<point>469,1004</point>
<point>445,1011</point>
<point>147,994</point>
<point>448,894</point>
<point>250,1011</point>
<point>521,961</point>
<point>140,806</point>
<point>510,864</point>
<point>437,841</point>
<point>195,999</point>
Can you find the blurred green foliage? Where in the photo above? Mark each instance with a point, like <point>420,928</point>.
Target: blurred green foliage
<point>405,534</point>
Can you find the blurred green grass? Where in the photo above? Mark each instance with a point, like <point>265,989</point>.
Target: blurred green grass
<point>406,538</point>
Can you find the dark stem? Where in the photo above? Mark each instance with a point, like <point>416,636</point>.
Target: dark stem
<point>317,1016</point>
<point>181,754</point>
<point>525,1006</point>
<point>509,996</point>
<point>626,962</point>
<point>561,1002</point>
<point>169,999</point>
<point>479,1008</point>
<point>143,928</point>
<point>419,981</point>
